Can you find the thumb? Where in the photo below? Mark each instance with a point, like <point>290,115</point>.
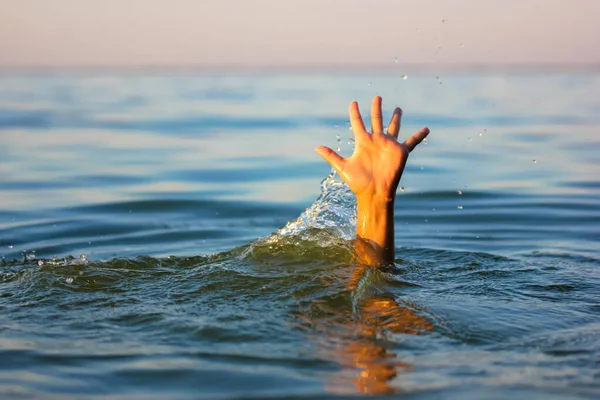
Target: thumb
<point>333,158</point>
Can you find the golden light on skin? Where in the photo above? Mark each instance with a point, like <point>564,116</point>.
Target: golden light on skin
<point>373,173</point>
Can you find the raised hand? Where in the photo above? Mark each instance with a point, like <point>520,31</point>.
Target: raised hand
<point>375,168</point>
<point>373,173</point>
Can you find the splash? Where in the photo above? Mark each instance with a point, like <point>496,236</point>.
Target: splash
<point>334,210</point>
<point>62,262</point>
<point>330,222</point>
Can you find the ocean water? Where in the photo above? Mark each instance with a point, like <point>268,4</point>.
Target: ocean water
<point>175,236</point>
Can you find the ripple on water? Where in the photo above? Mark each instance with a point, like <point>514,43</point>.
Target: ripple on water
<point>493,293</point>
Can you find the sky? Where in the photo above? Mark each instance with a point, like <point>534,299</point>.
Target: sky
<point>55,33</point>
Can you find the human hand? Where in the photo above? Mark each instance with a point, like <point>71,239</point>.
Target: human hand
<point>375,168</point>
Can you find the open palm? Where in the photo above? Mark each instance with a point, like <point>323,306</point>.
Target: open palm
<point>376,166</point>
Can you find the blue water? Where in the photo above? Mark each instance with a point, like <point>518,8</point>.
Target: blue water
<point>176,236</point>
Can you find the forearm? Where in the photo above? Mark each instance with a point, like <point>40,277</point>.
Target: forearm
<point>375,229</point>
<point>373,173</point>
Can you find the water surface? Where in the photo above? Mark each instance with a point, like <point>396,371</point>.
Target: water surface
<point>143,254</point>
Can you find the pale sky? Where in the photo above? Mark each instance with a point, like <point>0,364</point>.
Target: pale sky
<point>297,32</point>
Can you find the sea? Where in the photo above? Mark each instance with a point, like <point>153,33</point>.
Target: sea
<point>173,235</point>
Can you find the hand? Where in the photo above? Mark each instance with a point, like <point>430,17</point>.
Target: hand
<point>373,173</point>
<point>375,168</point>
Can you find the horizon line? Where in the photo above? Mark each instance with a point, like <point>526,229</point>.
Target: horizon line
<point>457,68</point>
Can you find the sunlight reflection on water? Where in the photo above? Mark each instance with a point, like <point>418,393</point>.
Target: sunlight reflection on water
<point>497,255</point>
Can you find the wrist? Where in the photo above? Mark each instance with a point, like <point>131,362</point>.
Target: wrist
<point>375,201</point>
<point>374,214</point>
<point>375,225</point>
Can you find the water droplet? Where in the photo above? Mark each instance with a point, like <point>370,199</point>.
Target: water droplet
<point>480,133</point>
<point>437,77</point>
<point>418,30</point>
<point>426,221</point>
<point>339,142</point>
<point>370,83</point>
<point>444,21</point>
<point>11,247</point>
<point>425,141</point>
<point>405,77</point>
<point>402,188</point>
<point>396,60</point>
<point>69,280</point>
<point>469,139</point>
<point>462,45</point>
<point>460,207</point>
<point>535,161</point>
<point>433,208</point>
<point>459,192</point>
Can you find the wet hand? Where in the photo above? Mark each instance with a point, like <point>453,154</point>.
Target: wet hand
<point>375,167</point>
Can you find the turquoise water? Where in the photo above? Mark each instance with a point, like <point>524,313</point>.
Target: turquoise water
<point>175,236</point>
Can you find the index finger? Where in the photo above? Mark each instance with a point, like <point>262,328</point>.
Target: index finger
<point>355,119</point>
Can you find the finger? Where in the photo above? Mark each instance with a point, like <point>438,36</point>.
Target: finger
<point>394,127</point>
<point>358,127</point>
<point>333,158</point>
<point>376,117</point>
<point>415,139</point>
